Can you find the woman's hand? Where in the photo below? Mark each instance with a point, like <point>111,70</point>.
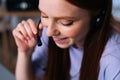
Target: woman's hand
<point>25,36</point>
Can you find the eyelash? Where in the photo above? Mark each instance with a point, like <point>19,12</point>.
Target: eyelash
<point>68,24</point>
<point>44,16</point>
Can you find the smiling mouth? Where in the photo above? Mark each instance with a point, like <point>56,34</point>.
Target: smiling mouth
<point>60,40</point>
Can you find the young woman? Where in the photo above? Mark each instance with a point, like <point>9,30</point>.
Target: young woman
<point>80,41</point>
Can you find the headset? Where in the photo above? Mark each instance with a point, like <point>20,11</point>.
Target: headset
<point>98,20</point>
<point>39,42</point>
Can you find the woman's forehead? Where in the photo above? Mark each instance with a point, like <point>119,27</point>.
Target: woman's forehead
<point>60,8</point>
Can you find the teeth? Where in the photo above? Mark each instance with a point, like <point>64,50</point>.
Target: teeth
<point>59,38</point>
<point>62,38</point>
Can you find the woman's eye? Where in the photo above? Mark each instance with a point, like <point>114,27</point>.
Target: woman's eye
<point>67,23</point>
<point>42,16</point>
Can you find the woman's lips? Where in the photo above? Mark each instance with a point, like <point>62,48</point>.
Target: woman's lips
<point>60,40</point>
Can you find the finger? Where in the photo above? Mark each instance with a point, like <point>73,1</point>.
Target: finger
<point>21,44</point>
<point>40,29</point>
<point>19,40</point>
<point>20,28</point>
<point>32,26</point>
<point>28,29</point>
<point>19,35</point>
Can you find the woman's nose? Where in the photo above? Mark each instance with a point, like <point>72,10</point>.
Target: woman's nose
<point>52,30</point>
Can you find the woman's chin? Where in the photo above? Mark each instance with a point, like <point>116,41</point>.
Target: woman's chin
<point>63,46</point>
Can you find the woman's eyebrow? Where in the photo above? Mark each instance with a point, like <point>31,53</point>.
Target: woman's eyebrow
<point>65,17</point>
<point>41,11</point>
<point>59,17</point>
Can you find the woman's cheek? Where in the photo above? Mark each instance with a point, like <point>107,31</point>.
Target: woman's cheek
<point>44,22</point>
<point>70,33</point>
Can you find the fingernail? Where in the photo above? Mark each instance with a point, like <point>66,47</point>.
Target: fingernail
<point>35,32</point>
<point>28,38</point>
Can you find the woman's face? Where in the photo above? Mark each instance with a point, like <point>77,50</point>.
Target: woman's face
<point>66,23</point>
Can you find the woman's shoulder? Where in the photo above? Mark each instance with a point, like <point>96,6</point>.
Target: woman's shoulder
<point>110,60</point>
<point>109,68</point>
<point>113,46</point>
<point>111,53</point>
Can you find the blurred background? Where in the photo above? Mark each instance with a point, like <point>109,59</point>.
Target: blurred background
<point>11,13</point>
<point>116,10</point>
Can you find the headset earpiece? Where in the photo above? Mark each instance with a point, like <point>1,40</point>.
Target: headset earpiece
<point>97,22</point>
